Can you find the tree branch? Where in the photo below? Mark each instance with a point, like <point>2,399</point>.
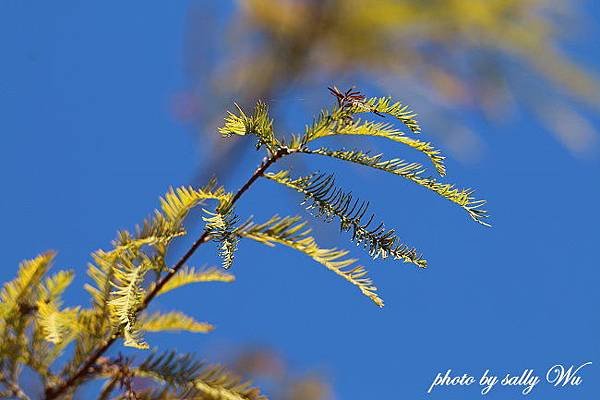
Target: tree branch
<point>13,389</point>
<point>53,393</point>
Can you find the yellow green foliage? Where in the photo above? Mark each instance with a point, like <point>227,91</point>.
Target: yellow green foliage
<point>37,330</point>
<point>186,276</point>
<point>173,321</point>
<point>292,232</point>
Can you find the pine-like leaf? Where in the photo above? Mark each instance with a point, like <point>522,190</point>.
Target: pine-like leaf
<point>341,121</point>
<point>196,380</point>
<point>259,124</point>
<point>21,291</point>
<point>118,268</point>
<point>170,367</point>
<point>172,321</point>
<point>236,124</point>
<point>101,273</point>
<point>178,202</point>
<point>132,337</point>
<point>291,232</point>
<point>157,232</point>
<point>219,225</point>
<point>56,323</point>
<point>353,102</point>
<point>413,172</point>
<point>186,276</point>
<point>227,250</point>
<point>127,297</point>
<point>216,383</point>
<point>55,285</point>
<point>328,202</point>
<point>387,131</point>
<point>18,309</point>
<point>385,105</point>
<point>94,328</point>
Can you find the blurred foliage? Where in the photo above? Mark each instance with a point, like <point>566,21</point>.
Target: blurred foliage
<point>284,383</point>
<point>447,56</point>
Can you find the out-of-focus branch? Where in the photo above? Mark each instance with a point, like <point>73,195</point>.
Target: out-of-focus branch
<point>449,55</point>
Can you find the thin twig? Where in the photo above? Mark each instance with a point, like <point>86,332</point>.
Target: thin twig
<point>53,393</point>
<point>13,389</point>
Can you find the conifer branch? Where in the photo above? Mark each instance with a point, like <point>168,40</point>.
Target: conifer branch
<point>415,173</point>
<point>220,226</point>
<point>194,379</point>
<point>186,276</point>
<point>328,202</point>
<point>292,232</point>
<point>13,389</point>
<point>172,321</point>
<point>125,279</point>
<point>359,127</point>
<point>54,392</point>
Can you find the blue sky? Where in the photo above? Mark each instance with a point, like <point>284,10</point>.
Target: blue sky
<point>89,142</point>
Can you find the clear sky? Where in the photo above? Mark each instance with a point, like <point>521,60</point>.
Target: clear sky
<point>89,142</point>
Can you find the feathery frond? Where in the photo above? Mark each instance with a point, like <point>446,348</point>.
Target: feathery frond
<point>54,286</point>
<point>236,124</point>
<point>259,124</point>
<point>156,232</point>
<point>101,273</point>
<point>126,298</point>
<point>385,105</point>
<point>172,321</point>
<point>340,121</point>
<point>291,232</point>
<point>219,225</point>
<point>216,383</point>
<point>132,337</point>
<point>413,172</point>
<point>170,367</point>
<point>36,329</point>
<point>387,131</point>
<point>21,291</point>
<point>123,268</point>
<point>353,102</point>
<point>93,328</point>
<point>178,202</point>
<point>18,309</point>
<point>195,379</point>
<point>186,276</point>
<point>56,323</point>
<point>327,201</point>
<point>151,233</point>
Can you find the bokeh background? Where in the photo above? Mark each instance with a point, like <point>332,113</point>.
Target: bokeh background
<point>105,105</point>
